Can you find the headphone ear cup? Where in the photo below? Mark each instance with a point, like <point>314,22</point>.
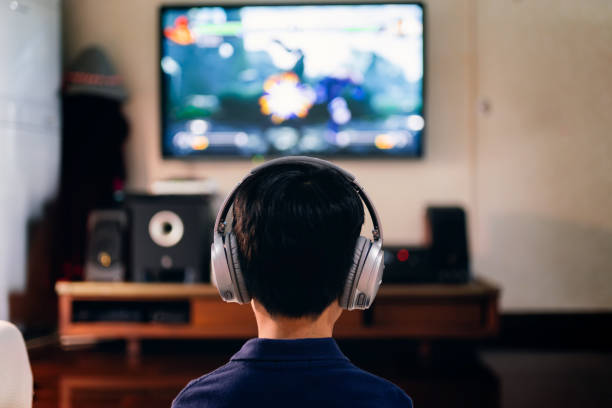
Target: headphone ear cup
<point>362,247</point>
<point>238,277</point>
<point>220,275</point>
<point>370,279</point>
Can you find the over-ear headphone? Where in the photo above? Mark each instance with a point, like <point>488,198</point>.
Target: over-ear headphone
<point>364,277</point>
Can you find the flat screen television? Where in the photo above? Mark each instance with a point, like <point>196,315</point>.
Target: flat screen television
<point>292,79</point>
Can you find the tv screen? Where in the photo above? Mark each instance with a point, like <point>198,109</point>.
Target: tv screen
<point>272,80</point>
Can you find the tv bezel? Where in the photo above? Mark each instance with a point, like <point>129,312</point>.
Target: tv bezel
<point>376,155</point>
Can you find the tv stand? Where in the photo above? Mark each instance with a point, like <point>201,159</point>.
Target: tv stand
<point>424,311</point>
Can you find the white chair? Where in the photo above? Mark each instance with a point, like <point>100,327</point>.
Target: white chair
<point>16,387</point>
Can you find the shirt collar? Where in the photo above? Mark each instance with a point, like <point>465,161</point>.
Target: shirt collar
<point>293,349</point>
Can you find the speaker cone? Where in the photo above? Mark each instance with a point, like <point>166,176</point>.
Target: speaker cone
<point>166,228</point>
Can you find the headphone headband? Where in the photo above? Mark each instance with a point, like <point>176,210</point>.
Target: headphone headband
<point>221,215</point>
<point>301,160</point>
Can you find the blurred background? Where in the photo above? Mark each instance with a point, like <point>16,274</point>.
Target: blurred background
<point>500,223</point>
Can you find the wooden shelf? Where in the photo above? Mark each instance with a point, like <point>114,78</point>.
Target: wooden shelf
<point>138,291</point>
<point>401,311</point>
<point>119,290</point>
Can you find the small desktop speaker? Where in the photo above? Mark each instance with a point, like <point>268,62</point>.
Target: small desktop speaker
<point>449,254</point>
<point>170,237</point>
<point>105,257</point>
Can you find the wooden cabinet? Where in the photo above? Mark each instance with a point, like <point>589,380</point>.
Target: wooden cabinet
<point>400,311</point>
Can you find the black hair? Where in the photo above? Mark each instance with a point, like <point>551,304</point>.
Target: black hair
<point>296,225</point>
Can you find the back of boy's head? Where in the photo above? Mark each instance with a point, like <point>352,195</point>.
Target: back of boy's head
<point>296,226</point>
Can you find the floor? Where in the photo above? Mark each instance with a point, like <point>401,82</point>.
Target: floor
<point>451,376</point>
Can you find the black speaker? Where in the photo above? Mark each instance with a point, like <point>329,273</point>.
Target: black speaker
<point>449,256</point>
<point>408,265</point>
<point>170,237</point>
<point>105,258</point>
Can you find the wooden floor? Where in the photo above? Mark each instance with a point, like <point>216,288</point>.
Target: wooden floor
<point>453,377</point>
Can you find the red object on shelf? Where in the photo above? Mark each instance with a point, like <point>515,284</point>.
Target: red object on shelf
<point>403,255</point>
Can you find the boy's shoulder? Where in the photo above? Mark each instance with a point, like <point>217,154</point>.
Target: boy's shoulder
<point>195,388</point>
<point>391,394</point>
<point>346,379</point>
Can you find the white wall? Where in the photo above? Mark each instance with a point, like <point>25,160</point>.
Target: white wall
<point>534,174</point>
<point>544,167</point>
<point>29,128</point>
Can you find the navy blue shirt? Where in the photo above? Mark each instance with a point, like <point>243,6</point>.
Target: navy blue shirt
<point>309,373</point>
